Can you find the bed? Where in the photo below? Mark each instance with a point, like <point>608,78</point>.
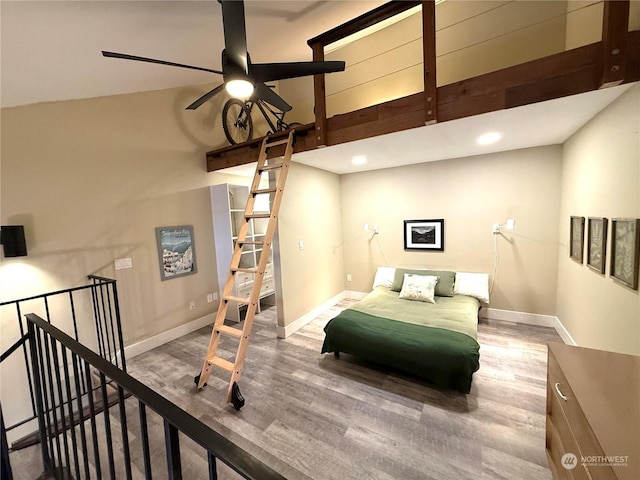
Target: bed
<point>435,341</point>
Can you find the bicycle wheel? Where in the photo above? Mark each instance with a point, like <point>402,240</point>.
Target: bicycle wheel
<point>236,121</point>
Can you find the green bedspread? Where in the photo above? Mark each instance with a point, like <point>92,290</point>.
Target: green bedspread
<point>436,342</point>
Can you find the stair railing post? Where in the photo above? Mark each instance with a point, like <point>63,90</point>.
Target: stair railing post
<point>37,383</point>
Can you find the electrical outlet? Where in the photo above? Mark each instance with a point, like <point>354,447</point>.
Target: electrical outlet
<point>192,305</point>
<point>348,277</point>
<point>209,297</point>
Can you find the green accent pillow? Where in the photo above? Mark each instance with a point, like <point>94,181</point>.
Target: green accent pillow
<point>444,287</point>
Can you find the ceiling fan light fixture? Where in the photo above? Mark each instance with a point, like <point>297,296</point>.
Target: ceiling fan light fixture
<point>239,88</point>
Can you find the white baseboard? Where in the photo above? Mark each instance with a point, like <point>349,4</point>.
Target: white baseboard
<point>563,332</point>
<point>287,330</point>
<point>529,319</point>
<point>165,337</point>
<point>352,295</point>
<point>518,317</point>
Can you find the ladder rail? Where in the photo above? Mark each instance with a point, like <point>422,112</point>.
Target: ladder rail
<point>252,302</point>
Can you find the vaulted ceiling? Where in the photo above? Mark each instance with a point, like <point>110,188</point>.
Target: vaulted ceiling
<point>51,49</point>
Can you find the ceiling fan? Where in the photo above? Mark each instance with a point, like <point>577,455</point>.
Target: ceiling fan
<point>241,78</point>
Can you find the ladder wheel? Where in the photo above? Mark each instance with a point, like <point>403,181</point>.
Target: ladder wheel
<point>236,397</point>
<point>196,380</point>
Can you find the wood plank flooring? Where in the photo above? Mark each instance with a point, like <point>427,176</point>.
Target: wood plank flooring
<point>309,415</point>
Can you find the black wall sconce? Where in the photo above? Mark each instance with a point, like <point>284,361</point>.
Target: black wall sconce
<point>12,240</point>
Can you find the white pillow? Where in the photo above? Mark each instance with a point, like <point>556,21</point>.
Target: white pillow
<point>472,284</point>
<point>384,277</point>
<point>419,287</point>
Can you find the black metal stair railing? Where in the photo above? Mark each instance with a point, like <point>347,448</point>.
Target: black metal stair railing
<point>122,441</point>
<point>91,315</point>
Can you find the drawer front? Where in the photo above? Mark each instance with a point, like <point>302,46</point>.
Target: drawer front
<point>268,271</point>
<point>245,291</point>
<point>555,450</point>
<point>574,431</point>
<point>268,286</point>
<point>243,277</point>
<point>560,442</point>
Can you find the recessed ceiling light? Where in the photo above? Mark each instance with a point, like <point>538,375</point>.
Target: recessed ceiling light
<point>488,138</point>
<point>359,160</point>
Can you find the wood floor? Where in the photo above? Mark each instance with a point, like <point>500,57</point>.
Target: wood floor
<point>309,415</point>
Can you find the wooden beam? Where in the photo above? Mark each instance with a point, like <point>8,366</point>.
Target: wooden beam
<point>244,153</point>
<point>393,116</point>
<point>320,99</point>
<point>429,61</point>
<point>567,73</point>
<point>494,84</point>
<point>365,20</point>
<point>615,23</point>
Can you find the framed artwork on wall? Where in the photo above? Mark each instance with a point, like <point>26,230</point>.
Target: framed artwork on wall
<point>625,251</point>
<point>424,234</point>
<point>597,243</point>
<point>576,240</point>
<point>176,251</point>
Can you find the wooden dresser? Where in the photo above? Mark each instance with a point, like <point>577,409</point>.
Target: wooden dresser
<point>593,412</point>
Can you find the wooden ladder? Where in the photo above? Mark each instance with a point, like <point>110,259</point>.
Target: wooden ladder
<point>219,328</point>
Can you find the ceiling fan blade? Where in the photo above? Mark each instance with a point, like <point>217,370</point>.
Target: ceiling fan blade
<point>268,72</point>
<point>265,93</point>
<point>235,35</point>
<point>124,56</point>
<point>205,97</point>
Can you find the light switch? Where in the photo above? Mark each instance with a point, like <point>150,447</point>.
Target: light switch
<point>122,263</point>
<point>300,245</point>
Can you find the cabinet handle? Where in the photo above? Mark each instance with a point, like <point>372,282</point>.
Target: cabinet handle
<point>564,397</point>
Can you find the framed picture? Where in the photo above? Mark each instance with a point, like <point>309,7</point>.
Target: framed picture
<point>176,251</point>
<point>597,243</point>
<point>576,245</point>
<point>625,251</point>
<point>424,234</point>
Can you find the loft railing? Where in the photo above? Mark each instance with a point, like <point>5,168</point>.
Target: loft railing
<point>89,313</point>
<point>126,440</point>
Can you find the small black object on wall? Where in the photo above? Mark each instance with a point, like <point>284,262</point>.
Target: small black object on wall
<point>13,241</point>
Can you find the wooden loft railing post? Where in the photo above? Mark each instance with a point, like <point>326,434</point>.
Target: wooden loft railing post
<point>615,23</point>
<point>429,58</point>
<point>320,100</point>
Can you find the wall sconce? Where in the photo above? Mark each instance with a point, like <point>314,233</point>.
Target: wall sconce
<point>371,228</point>
<point>510,225</point>
<point>13,241</point>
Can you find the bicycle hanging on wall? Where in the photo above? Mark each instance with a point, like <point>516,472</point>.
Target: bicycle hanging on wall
<point>238,124</point>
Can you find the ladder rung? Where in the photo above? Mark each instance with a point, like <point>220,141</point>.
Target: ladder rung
<point>257,215</point>
<point>236,299</point>
<point>229,330</point>
<point>245,270</point>
<point>277,142</point>
<point>222,363</point>
<point>262,191</point>
<point>249,242</point>
<point>270,167</point>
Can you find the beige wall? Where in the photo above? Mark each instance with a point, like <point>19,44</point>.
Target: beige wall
<point>601,178</point>
<point>310,213</point>
<point>470,194</point>
<point>91,179</point>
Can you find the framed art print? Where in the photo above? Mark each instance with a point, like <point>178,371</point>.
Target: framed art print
<point>625,251</point>
<point>576,238</point>
<point>424,234</point>
<point>176,251</point>
<point>597,243</point>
